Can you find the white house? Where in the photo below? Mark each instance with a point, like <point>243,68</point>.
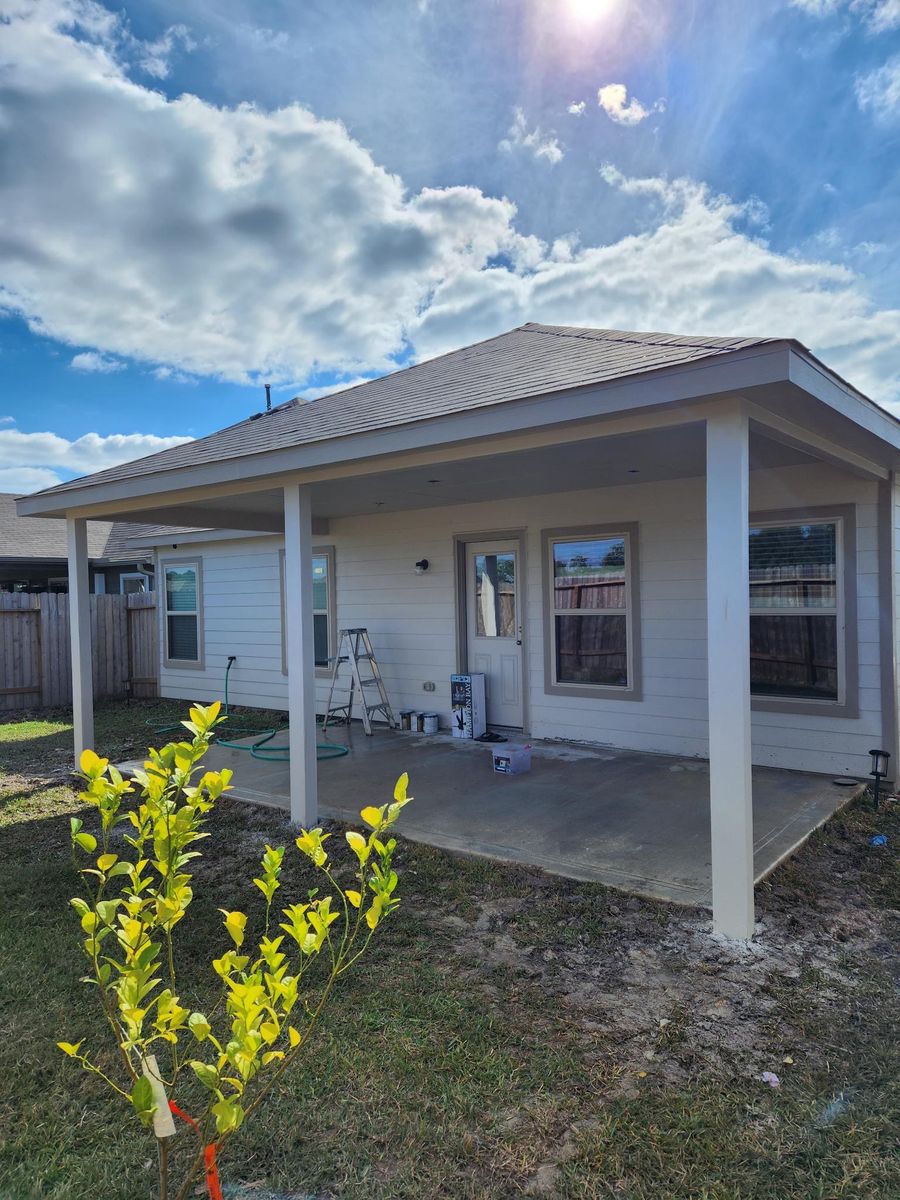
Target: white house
<point>677,544</point>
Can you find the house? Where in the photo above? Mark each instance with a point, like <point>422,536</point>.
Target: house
<point>34,555</point>
<point>681,545</point>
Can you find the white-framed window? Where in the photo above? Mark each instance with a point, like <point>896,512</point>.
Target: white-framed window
<point>133,583</point>
<point>183,601</point>
<point>591,610</point>
<point>324,609</point>
<point>798,610</point>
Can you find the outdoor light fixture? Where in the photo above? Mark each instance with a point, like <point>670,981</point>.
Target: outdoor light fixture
<point>879,769</point>
<point>421,566</point>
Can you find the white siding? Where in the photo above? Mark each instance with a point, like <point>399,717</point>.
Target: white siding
<point>412,618</point>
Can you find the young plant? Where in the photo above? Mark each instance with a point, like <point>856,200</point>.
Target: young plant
<point>271,994</point>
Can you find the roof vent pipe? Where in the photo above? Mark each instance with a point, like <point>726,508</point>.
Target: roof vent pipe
<point>268,388</point>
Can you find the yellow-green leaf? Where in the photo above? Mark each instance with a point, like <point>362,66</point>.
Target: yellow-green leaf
<point>400,787</point>
<point>372,816</point>
<point>293,1037</point>
<point>358,845</point>
<point>354,897</point>
<point>70,1048</point>
<point>105,861</point>
<point>235,922</point>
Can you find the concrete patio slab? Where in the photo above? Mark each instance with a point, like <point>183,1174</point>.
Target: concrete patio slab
<point>639,822</point>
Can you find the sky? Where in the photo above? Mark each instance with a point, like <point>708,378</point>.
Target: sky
<point>200,197</point>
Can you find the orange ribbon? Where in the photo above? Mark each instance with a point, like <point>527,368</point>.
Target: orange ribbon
<point>209,1155</point>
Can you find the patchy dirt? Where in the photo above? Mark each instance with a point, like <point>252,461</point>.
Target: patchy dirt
<point>658,995</point>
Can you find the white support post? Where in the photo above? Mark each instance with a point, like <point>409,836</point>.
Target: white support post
<point>80,635</point>
<point>301,665</point>
<point>728,652</point>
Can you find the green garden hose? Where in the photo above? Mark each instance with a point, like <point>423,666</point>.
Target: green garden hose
<point>259,747</point>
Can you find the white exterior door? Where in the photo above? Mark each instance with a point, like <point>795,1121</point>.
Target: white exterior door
<point>494,627</point>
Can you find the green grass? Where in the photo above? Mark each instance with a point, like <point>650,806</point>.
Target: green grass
<point>485,1035</point>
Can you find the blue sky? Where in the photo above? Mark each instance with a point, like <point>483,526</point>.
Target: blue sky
<point>203,195</point>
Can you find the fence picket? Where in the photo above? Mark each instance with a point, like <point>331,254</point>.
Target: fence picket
<point>35,662</point>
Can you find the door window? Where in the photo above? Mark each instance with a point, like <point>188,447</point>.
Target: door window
<point>495,595</point>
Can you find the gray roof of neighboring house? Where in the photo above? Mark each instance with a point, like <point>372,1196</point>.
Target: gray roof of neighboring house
<point>31,538</point>
<point>532,360</point>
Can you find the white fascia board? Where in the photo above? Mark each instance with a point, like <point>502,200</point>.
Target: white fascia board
<point>708,377</point>
<point>814,377</point>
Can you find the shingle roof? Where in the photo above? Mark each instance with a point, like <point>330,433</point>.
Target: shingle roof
<point>31,538</point>
<point>531,360</point>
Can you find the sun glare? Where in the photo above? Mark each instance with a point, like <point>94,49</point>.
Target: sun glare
<point>587,12</point>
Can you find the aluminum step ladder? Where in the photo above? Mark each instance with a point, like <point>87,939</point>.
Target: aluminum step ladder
<point>355,649</point>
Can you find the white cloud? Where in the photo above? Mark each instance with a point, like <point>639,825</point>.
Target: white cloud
<point>577,107</point>
<point>878,15</point>
<point>153,57</point>
<point>879,91</point>
<point>245,244</point>
<point>692,269</point>
<point>7,420</point>
<point>613,99</point>
<point>21,480</point>
<point>90,360</point>
<point>91,452</point>
<point>538,143</point>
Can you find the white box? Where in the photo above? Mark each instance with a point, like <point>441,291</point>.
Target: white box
<point>512,760</point>
<point>468,718</point>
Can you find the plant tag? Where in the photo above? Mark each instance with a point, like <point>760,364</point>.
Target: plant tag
<point>163,1125</point>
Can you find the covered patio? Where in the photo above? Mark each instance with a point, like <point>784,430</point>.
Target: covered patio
<point>638,822</point>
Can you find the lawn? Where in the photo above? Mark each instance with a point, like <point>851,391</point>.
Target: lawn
<point>513,1034</point>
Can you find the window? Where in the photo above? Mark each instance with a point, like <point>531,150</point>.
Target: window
<point>133,583</point>
<point>591,610</point>
<point>182,613</point>
<point>796,610</point>
<point>324,635</point>
<point>495,595</point>
<point>321,570</point>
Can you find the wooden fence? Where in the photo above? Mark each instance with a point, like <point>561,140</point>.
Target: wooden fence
<point>35,659</point>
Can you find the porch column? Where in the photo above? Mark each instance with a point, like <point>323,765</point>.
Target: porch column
<point>728,652</point>
<point>298,617</point>
<point>80,636</point>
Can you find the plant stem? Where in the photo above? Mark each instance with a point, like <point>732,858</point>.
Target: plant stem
<point>163,1147</point>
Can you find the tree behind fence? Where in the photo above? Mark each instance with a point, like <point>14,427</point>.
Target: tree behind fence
<point>35,659</point>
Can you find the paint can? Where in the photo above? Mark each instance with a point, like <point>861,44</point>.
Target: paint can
<point>429,722</point>
<point>406,715</point>
<point>420,722</point>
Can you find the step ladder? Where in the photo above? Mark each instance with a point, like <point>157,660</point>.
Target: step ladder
<point>355,649</point>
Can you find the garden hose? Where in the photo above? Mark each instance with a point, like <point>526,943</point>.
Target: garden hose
<point>259,747</point>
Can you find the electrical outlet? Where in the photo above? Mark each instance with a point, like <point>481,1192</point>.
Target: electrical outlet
<point>428,687</point>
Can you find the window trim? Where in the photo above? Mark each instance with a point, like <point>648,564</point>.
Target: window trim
<point>133,575</point>
<point>847,703</point>
<point>629,530</point>
<point>327,552</point>
<point>181,664</point>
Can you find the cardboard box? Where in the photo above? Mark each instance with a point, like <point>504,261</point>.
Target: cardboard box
<point>468,718</point>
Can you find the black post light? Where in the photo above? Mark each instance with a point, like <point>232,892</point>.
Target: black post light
<point>879,770</point>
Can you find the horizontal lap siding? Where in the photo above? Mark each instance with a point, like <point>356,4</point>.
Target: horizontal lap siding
<point>412,618</point>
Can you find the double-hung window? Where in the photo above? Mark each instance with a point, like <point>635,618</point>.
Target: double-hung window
<point>591,606</point>
<point>182,597</point>
<point>324,617</point>
<point>797,617</point>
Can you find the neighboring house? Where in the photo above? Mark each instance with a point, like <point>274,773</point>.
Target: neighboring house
<point>678,544</point>
<point>33,555</point>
